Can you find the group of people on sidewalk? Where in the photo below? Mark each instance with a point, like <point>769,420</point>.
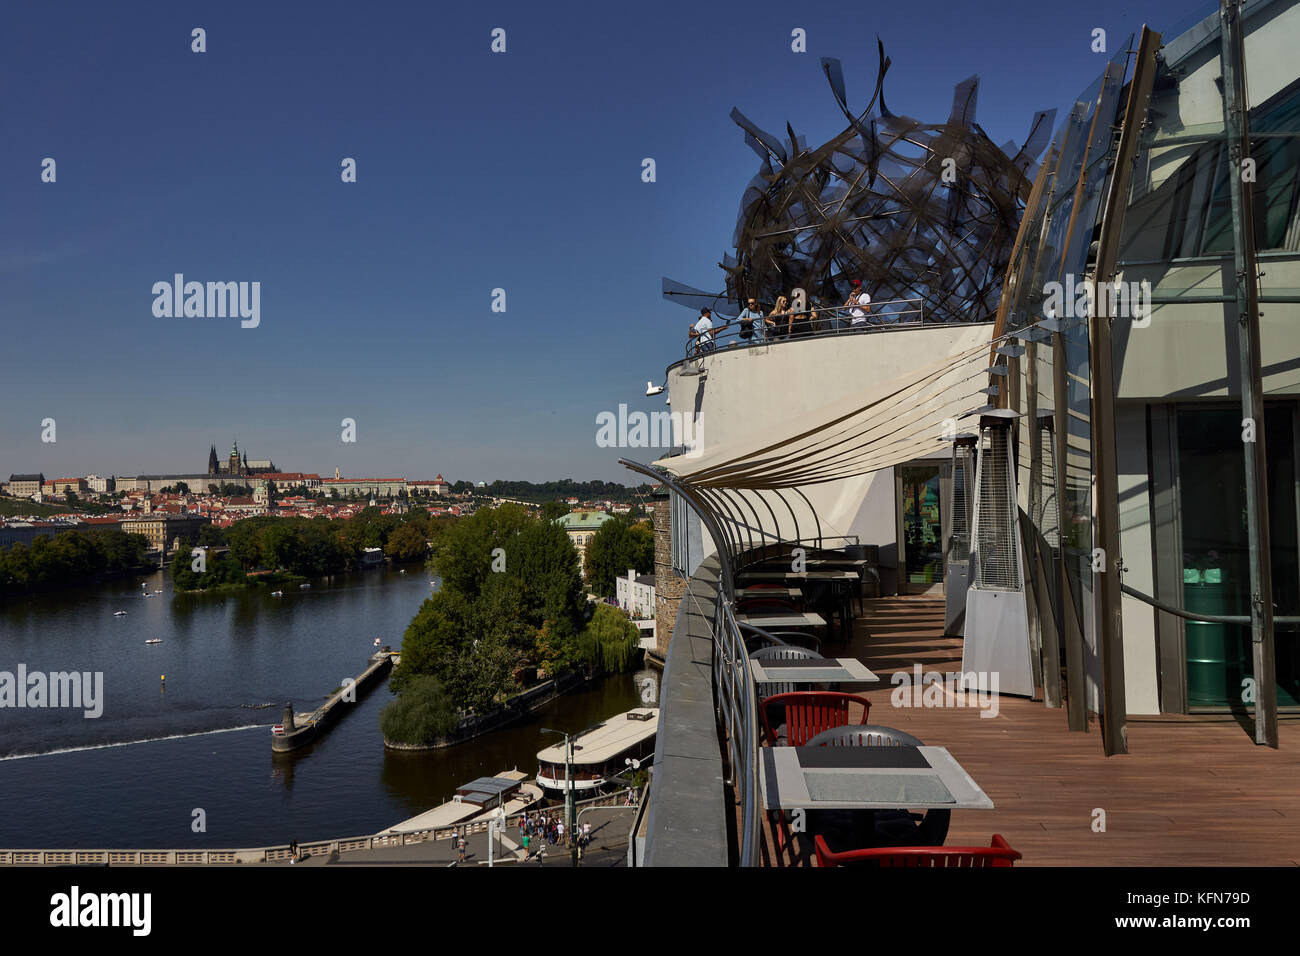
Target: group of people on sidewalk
<point>541,828</point>
<point>781,322</point>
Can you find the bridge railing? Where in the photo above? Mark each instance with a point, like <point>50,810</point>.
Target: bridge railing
<point>268,854</point>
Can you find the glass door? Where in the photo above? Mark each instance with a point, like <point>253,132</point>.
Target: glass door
<point>1216,558</point>
<point>922,527</point>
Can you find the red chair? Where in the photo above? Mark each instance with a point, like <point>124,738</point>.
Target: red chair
<point>998,853</point>
<point>807,713</point>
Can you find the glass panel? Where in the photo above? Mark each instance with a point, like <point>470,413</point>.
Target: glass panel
<point>922,529</point>
<point>1216,558</point>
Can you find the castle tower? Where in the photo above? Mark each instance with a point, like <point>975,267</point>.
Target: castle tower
<point>213,466</point>
<point>233,463</point>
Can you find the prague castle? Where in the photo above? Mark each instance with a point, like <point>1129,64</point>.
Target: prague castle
<point>235,465</point>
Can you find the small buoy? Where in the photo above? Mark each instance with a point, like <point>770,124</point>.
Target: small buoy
<point>163,678</point>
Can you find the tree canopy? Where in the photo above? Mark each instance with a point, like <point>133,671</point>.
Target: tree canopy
<point>511,604</point>
<point>617,546</point>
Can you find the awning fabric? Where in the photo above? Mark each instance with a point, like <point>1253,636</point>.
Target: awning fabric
<point>883,425</point>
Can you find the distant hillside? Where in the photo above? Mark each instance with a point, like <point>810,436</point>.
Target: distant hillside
<point>551,490</point>
<point>25,506</point>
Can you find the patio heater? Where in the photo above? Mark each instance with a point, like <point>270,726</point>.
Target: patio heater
<point>996,639</point>
<point>960,494</point>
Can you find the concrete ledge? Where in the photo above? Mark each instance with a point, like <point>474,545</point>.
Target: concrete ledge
<point>686,807</point>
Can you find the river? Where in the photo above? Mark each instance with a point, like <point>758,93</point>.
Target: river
<point>164,750</point>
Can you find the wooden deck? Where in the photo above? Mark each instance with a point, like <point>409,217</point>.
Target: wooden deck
<point>1190,792</point>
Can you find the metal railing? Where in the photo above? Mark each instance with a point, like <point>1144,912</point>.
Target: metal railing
<point>814,322</point>
<point>738,708</point>
<point>282,852</point>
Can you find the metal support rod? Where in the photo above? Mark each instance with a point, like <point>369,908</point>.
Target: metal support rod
<point>1236,120</point>
<point>1067,619</point>
<point>1101,362</point>
<point>1048,647</point>
<point>1199,618</point>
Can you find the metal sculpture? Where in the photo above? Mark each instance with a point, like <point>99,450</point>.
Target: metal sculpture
<point>913,211</point>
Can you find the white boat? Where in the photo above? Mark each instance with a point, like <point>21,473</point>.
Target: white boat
<point>303,587</point>
<point>476,801</point>
<point>154,640</point>
<point>119,614</point>
<point>158,591</point>
<point>376,642</point>
<point>602,751</point>
<point>403,571</point>
<point>277,594</point>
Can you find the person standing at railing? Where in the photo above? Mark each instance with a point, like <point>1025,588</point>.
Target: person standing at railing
<point>779,318</point>
<point>753,324</point>
<point>803,324</point>
<point>859,304</point>
<point>702,332</point>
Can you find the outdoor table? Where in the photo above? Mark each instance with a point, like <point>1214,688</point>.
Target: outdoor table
<point>768,620</point>
<point>839,670</point>
<point>794,593</point>
<point>867,778</point>
<point>814,575</point>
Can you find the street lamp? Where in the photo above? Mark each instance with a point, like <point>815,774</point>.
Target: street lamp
<point>568,786</point>
<point>569,807</point>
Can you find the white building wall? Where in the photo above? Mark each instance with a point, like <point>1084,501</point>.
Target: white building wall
<point>746,388</point>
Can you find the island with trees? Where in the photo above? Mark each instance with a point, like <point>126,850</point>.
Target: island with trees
<point>510,623</point>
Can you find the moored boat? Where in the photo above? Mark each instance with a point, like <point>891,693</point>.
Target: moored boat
<point>601,752</point>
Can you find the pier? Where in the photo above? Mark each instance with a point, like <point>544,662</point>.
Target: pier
<point>297,730</point>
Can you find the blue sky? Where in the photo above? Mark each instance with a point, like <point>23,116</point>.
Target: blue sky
<point>475,171</point>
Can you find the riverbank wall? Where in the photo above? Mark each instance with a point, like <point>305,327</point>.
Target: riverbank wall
<point>521,705</point>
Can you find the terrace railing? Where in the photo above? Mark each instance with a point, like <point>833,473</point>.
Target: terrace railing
<point>810,323</point>
<point>736,697</point>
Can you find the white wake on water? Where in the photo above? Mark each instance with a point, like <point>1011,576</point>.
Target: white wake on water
<point>128,743</point>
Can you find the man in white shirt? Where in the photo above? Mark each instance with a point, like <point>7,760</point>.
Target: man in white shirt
<point>860,302</point>
<point>702,332</point>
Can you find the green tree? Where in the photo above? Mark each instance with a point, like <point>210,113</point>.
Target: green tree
<point>554,509</point>
<point>210,535</point>
<point>407,543</point>
<point>421,715</point>
<point>617,546</point>
<point>434,640</point>
<point>609,642</point>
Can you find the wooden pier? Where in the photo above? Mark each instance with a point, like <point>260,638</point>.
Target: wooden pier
<point>297,730</point>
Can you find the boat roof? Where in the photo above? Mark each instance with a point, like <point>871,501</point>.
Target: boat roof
<point>484,787</point>
<point>608,739</point>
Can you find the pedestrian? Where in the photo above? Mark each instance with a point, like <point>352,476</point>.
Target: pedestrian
<point>586,831</point>
<point>293,851</point>
<point>752,322</point>
<point>860,301</point>
<point>702,332</point>
<point>559,827</point>
<point>460,847</point>
<point>525,842</point>
<point>779,318</point>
